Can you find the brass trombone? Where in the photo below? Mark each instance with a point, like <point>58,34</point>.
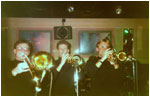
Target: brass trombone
<point>38,64</point>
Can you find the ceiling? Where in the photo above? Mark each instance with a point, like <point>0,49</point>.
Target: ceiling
<point>82,9</point>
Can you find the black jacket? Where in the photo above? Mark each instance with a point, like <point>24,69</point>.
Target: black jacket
<point>21,84</point>
<point>63,83</point>
<point>105,81</point>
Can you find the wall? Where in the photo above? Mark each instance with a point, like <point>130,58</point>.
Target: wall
<point>140,26</point>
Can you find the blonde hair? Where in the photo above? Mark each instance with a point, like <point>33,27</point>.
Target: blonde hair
<point>106,41</point>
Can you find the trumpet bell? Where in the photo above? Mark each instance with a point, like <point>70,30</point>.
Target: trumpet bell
<point>42,60</point>
<point>122,56</point>
<point>76,58</point>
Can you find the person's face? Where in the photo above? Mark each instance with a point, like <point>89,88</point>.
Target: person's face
<point>62,49</point>
<point>41,41</point>
<point>101,48</point>
<point>22,50</point>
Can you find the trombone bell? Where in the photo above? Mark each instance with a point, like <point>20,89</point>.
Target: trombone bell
<point>42,60</point>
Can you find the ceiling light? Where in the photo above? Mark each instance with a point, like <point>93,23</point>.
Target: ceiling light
<point>71,9</point>
<point>118,10</point>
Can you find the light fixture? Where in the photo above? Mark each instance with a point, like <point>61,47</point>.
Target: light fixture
<point>126,31</point>
<point>118,10</point>
<point>70,9</point>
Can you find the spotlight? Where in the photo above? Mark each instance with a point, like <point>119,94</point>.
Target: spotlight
<point>71,9</point>
<point>118,10</point>
<point>125,31</point>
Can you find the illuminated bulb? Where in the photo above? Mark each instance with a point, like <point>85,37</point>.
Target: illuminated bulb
<point>71,9</point>
<point>126,31</point>
<point>118,10</point>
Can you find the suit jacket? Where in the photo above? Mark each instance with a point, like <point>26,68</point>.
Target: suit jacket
<point>19,85</point>
<point>63,84</point>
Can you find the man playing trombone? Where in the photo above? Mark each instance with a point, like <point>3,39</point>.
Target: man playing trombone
<point>18,77</point>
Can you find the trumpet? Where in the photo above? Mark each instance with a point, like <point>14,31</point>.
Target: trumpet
<point>121,56</point>
<point>76,59</point>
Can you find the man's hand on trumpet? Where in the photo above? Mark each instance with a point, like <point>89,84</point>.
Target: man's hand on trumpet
<point>64,58</point>
<point>20,68</point>
<point>107,53</point>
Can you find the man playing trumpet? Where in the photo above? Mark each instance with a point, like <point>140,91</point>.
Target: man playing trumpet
<point>105,73</point>
<point>64,73</point>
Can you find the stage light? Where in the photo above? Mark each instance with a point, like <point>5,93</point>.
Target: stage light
<point>126,31</point>
<point>118,10</point>
<point>70,9</point>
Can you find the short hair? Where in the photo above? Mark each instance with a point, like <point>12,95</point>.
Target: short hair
<point>104,40</point>
<point>64,42</point>
<point>27,42</point>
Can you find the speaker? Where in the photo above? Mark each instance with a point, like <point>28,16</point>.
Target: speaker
<point>62,32</point>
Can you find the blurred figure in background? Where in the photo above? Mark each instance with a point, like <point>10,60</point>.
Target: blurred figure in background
<point>41,42</point>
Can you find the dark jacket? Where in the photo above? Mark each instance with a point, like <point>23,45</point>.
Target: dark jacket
<point>21,84</point>
<point>105,81</point>
<point>46,84</point>
<point>63,83</point>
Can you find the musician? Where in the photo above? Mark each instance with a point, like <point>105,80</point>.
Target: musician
<point>63,84</point>
<point>105,73</point>
<point>19,80</point>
